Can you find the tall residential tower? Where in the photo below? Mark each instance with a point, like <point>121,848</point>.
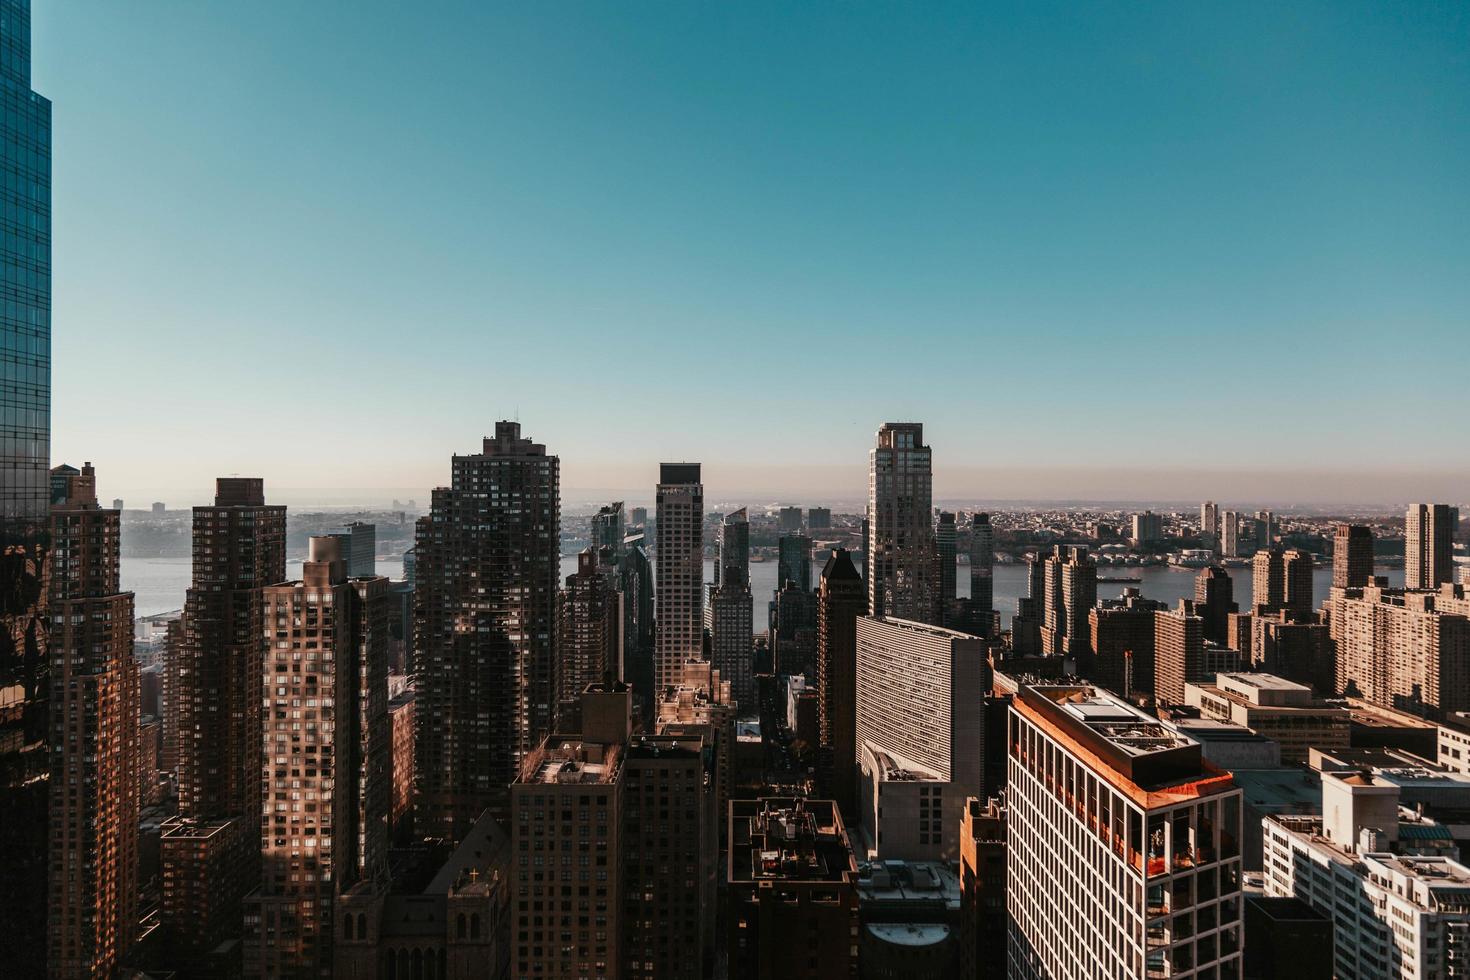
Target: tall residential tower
<point>901,550</point>
<point>679,559</point>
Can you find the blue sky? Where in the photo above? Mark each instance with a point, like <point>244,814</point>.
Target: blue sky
<point>1111,247</point>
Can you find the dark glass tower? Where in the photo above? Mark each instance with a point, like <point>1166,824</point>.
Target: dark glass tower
<point>25,449</point>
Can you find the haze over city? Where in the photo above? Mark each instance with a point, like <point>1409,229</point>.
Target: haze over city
<point>649,490</point>
<point>1116,252</point>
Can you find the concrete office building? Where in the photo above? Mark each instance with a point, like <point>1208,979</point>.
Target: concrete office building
<point>489,561</point>
<point>679,555</point>
<point>900,551</point>
<point>211,850</point>
<point>920,735</point>
<point>359,548</point>
<point>1394,913</point>
<point>94,745</point>
<point>1429,545</point>
<point>325,760</point>
<point>1123,845</point>
<point>1275,708</point>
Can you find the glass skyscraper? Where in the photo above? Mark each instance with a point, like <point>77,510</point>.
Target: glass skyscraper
<point>25,427</point>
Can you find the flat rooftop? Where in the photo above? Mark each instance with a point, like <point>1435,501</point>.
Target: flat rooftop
<point>786,839</point>
<point>577,763</point>
<point>910,884</point>
<point>896,769</point>
<point>1264,682</point>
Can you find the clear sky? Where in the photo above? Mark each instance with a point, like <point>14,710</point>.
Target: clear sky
<point>1151,251</point>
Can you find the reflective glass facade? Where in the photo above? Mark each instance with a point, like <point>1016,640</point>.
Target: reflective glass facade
<point>25,410</point>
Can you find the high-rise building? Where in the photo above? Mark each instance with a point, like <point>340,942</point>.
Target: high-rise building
<point>900,551</point>
<point>1429,545</point>
<point>919,733</point>
<point>1281,580</point>
<point>25,458</point>
<point>326,760</point>
<point>1395,913</point>
<point>634,816</point>
<point>588,635</point>
<point>1122,633</point>
<point>983,890</point>
<point>794,631</point>
<point>635,579</point>
<point>818,518</point>
<point>788,520</point>
<point>1230,546</point>
<point>982,565</point>
<point>1352,556</point>
<point>359,548</point>
<point>1123,846</point>
<point>1286,937</point>
<point>841,599</point>
<point>93,903</point>
<point>1401,649</point>
<point>680,559</point>
<point>1179,654</point>
<point>731,608</point>
<point>489,557</point>
<point>607,527</point>
<point>637,516</point>
<point>1209,523</point>
<point>732,564</point>
<point>1069,592</point>
<point>946,557</point>
<point>1214,601</point>
<point>794,561</point>
<point>1148,528</point>
<point>793,903</point>
<point>1265,523</point>
<point>211,852</point>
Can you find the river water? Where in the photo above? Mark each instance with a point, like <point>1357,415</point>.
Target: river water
<point>159,583</point>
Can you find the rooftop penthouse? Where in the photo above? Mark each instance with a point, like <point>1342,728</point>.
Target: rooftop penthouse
<point>562,763</point>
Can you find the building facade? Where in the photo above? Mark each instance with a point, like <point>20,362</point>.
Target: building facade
<point>25,458</point>
<point>901,531</point>
<point>325,760</point>
<point>1352,556</point>
<point>489,557</point>
<point>841,599</point>
<point>1122,845</point>
<point>95,768</point>
<point>211,851</point>
<point>1429,545</point>
<point>679,556</point>
<point>1401,650</point>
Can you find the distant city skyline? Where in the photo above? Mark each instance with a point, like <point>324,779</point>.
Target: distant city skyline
<point>1179,252</point>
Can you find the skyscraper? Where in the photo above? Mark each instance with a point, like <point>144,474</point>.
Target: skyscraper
<point>1352,556</point>
<point>901,535</point>
<point>982,565</point>
<point>1214,600</point>
<point>1148,528</point>
<point>731,606</point>
<point>1404,650</point>
<point>1265,529</point>
<point>359,548</point>
<point>1123,845</point>
<point>1069,592</point>
<point>794,561</point>
<point>841,599</point>
<point>93,906</point>
<point>325,740</point>
<point>1209,523</point>
<point>25,452</point>
<point>1281,580</point>
<point>489,555</point>
<point>1429,545</point>
<point>679,603</point>
<point>588,636</point>
<point>1230,534</point>
<point>211,852</point>
<point>1123,643</point>
<point>920,735</point>
<point>608,528</point>
<point>945,545</point>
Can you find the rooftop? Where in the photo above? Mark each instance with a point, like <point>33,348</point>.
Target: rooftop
<point>908,884</point>
<point>909,933</point>
<point>789,840</point>
<point>896,769</point>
